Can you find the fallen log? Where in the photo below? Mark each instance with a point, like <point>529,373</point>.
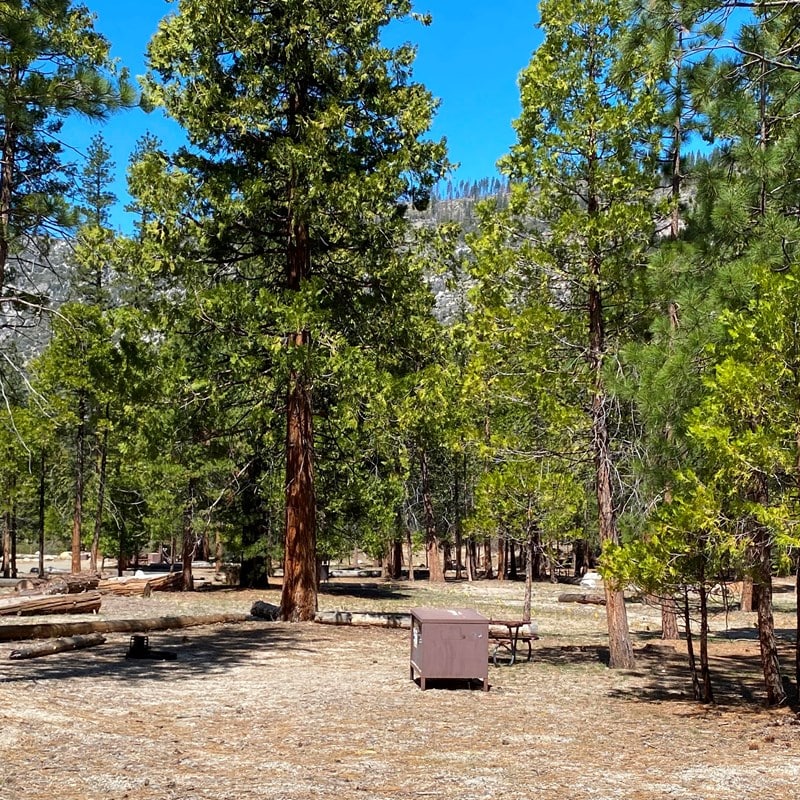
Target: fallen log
<point>171,582</point>
<point>29,587</point>
<point>142,587</point>
<point>48,630</point>
<point>584,599</point>
<point>58,646</point>
<point>57,584</point>
<point>84,603</point>
<point>377,618</point>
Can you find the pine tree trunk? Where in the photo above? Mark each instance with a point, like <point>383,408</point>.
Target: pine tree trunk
<point>7,543</point>
<point>410,545</point>
<point>187,581</point>
<point>14,530</point>
<point>471,559</point>
<point>395,559</point>
<point>101,493</point>
<point>669,620</point>
<point>502,552</point>
<point>435,569</point>
<point>77,513</point>
<point>770,666</point>
<point>697,689</point>
<point>42,489</point>
<point>620,646</point>
<point>217,551</point>
<point>457,545</point>
<point>299,592</point>
<point>300,577</point>
<point>797,627</point>
<point>707,694</point>
<point>487,557</point>
<point>747,594</point>
<point>528,597</point>
<point>536,554</point>
<point>512,560</point>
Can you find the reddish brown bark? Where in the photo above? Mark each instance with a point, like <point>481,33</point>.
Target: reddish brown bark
<point>620,646</point>
<point>770,666</point>
<point>299,592</point>
<point>300,576</point>
<point>101,493</point>
<point>77,512</point>
<point>669,620</point>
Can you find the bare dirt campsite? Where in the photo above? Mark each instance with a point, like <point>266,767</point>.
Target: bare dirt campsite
<point>259,709</point>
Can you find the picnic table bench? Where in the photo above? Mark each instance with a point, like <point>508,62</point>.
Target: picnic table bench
<point>508,634</point>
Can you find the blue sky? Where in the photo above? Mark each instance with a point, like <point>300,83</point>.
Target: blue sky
<point>469,58</point>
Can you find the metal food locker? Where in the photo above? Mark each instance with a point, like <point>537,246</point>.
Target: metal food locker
<point>449,643</point>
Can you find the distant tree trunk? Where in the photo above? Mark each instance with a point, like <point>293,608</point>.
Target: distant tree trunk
<point>458,521</point>
<point>217,551</point>
<point>697,686</point>
<point>254,573</point>
<point>705,670</point>
<point>512,560</point>
<point>797,627</point>
<point>7,541</point>
<point>536,554</point>
<point>77,513</point>
<point>42,488</point>
<point>121,559</point>
<point>776,694</point>
<point>502,552</point>
<point>471,560</point>
<point>394,560</point>
<point>747,594</point>
<point>435,570</point>
<point>187,581</point>
<point>410,545</point>
<point>487,558</point>
<point>528,599</point>
<point>101,493</point>
<point>669,619</point>
<point>14,530</point>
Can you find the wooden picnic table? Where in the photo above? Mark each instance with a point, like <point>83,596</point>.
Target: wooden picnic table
<point>508,640</point>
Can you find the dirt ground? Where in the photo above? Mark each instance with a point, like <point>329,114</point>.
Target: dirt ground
<point>283,712</point>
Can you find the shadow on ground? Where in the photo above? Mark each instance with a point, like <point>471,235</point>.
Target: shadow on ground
<point>373,591</point>
<point>662,674</point>
<point>206,651</point>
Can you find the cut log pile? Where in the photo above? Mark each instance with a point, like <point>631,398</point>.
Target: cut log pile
<point>142,587</point>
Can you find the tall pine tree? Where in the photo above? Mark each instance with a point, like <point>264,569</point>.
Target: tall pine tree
<point>305,145</point>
